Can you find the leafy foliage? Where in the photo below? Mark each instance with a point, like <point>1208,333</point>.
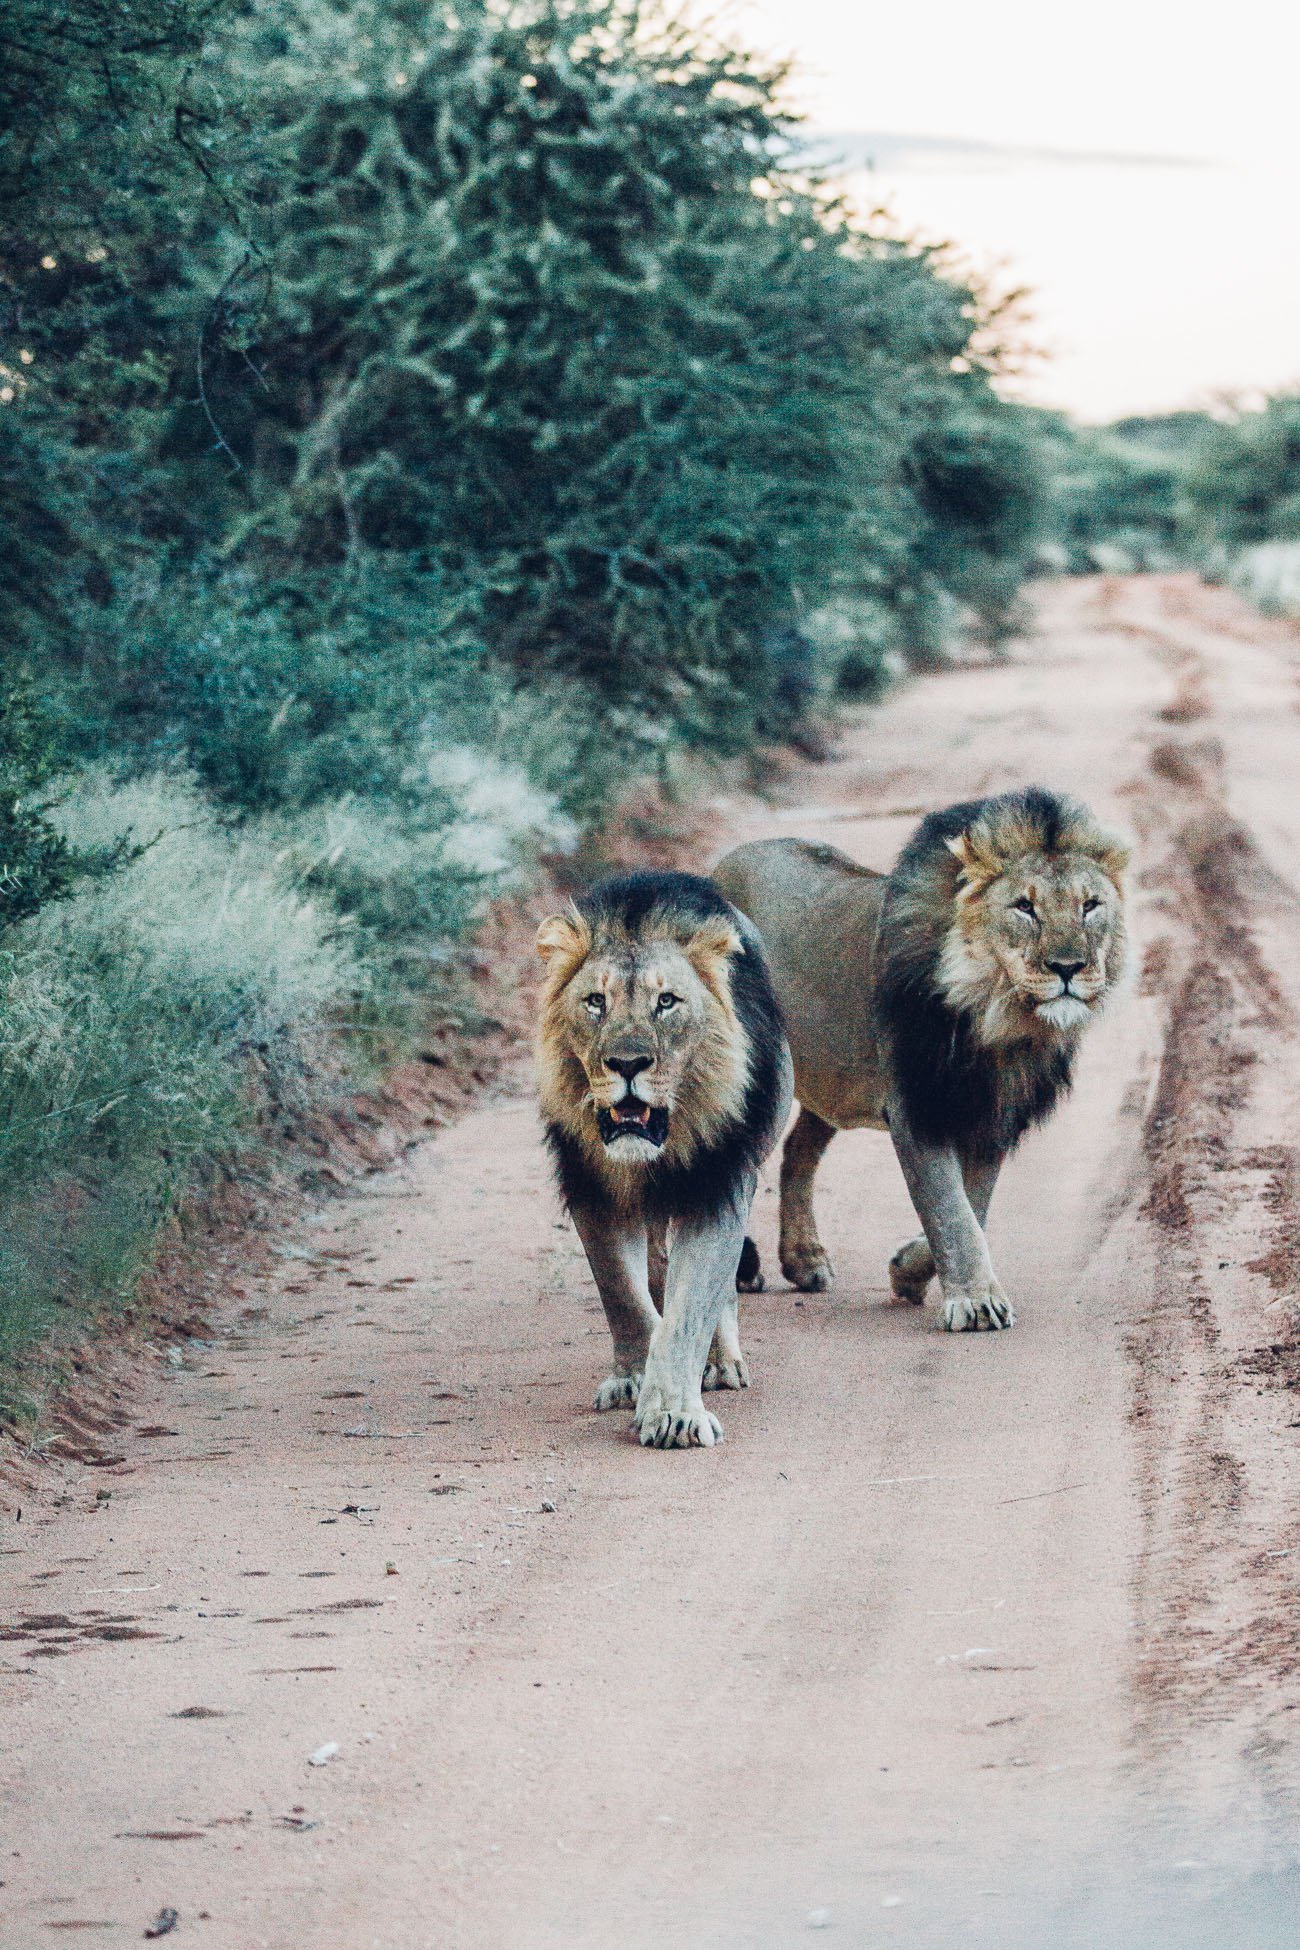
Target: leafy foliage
<point>981,485</point>
<point>1244,486</point>
<point>1188,487</point>
<point>530,324</point>
<point>520,319</point>
<point>416,421</point>
<point>36,863</point>
<point>106,169</point>
<point>1113,492</point>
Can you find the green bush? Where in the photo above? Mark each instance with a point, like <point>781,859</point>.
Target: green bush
<point>109,163</point>
<point>1244,487</point>
<point>1113,492</point>
<point>529,325</point>
<point>1221,494</point>
<point>36,863</point>
<point>980,482</point>
<point>387,333</point>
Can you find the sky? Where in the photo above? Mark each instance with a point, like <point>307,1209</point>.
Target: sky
<point>1164,255</point>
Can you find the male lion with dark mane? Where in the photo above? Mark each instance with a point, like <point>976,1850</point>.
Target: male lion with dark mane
<point>944,1002</point>
<point>665,1082</point>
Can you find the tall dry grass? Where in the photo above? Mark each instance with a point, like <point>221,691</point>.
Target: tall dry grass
<point>140,1022</point>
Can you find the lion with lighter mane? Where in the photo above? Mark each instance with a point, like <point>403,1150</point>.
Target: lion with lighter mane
<point>944,1002</point>
<point>664,1082</point>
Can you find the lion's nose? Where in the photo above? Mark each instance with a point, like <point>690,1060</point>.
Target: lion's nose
<point>1067,970</point>
<point>631,1066</point>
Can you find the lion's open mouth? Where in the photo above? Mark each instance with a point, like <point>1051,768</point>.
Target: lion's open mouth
<point>632,1118</point>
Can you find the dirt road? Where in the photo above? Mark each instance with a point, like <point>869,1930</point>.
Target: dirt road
<point>956,1640</point>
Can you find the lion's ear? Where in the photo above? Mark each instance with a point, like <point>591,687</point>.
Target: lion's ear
<point>1112,856</point>
<point>564,942</point>
<point>709,950</point>
<point>979,865</point>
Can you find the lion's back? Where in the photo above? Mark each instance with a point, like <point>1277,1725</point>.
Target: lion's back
<point>817,911</point>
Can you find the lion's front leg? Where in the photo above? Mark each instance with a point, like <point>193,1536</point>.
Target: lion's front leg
<point>657,1256</point>
<point>617,1255</point>
<point>972,1295</point>
<point>702,1260</point>
<point>912,1268</point>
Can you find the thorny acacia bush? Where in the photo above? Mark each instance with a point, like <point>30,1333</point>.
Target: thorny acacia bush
<point>1113,492</point>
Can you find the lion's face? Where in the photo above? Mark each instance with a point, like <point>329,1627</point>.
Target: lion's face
<point>640,1045</point>
<point>1040,943</point>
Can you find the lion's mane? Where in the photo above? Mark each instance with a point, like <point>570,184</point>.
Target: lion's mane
<point>957,1088</point>
<point>698,1177</point>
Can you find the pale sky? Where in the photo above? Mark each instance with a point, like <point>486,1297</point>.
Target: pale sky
<point>1154,286</point>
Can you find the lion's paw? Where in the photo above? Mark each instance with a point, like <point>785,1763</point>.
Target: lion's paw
<point>726,1374</point>
<point>666,1420</point>
<point>808,1268</point>
<point>667,1431</point>
<point>618,1391</point>
<point>749,1273</point>
<point>911,1270</point>
<point>964,1313</point>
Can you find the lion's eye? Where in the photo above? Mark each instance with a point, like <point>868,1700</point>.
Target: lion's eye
<point>596,1004</point>
<point>666,1002</point>
<point>1090,906</point>
<point>1025,906</point>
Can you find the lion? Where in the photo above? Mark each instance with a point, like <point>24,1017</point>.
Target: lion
<point>665,1081</point>
<point>945,1003</point>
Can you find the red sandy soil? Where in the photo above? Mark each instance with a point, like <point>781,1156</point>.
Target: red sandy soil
<point>982,1639</point>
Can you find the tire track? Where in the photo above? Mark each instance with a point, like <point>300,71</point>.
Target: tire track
<point>1216,1587</point>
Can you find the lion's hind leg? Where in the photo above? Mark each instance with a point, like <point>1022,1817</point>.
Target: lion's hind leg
<point>804,1260</point>
<point>749,1273</point>
<point>911,1270</point>
<point>726,1367</point>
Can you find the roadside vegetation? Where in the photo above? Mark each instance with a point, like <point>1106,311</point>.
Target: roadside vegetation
<point>419,426</point>
<point>1219,493</point>
<point>1242,504</point>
